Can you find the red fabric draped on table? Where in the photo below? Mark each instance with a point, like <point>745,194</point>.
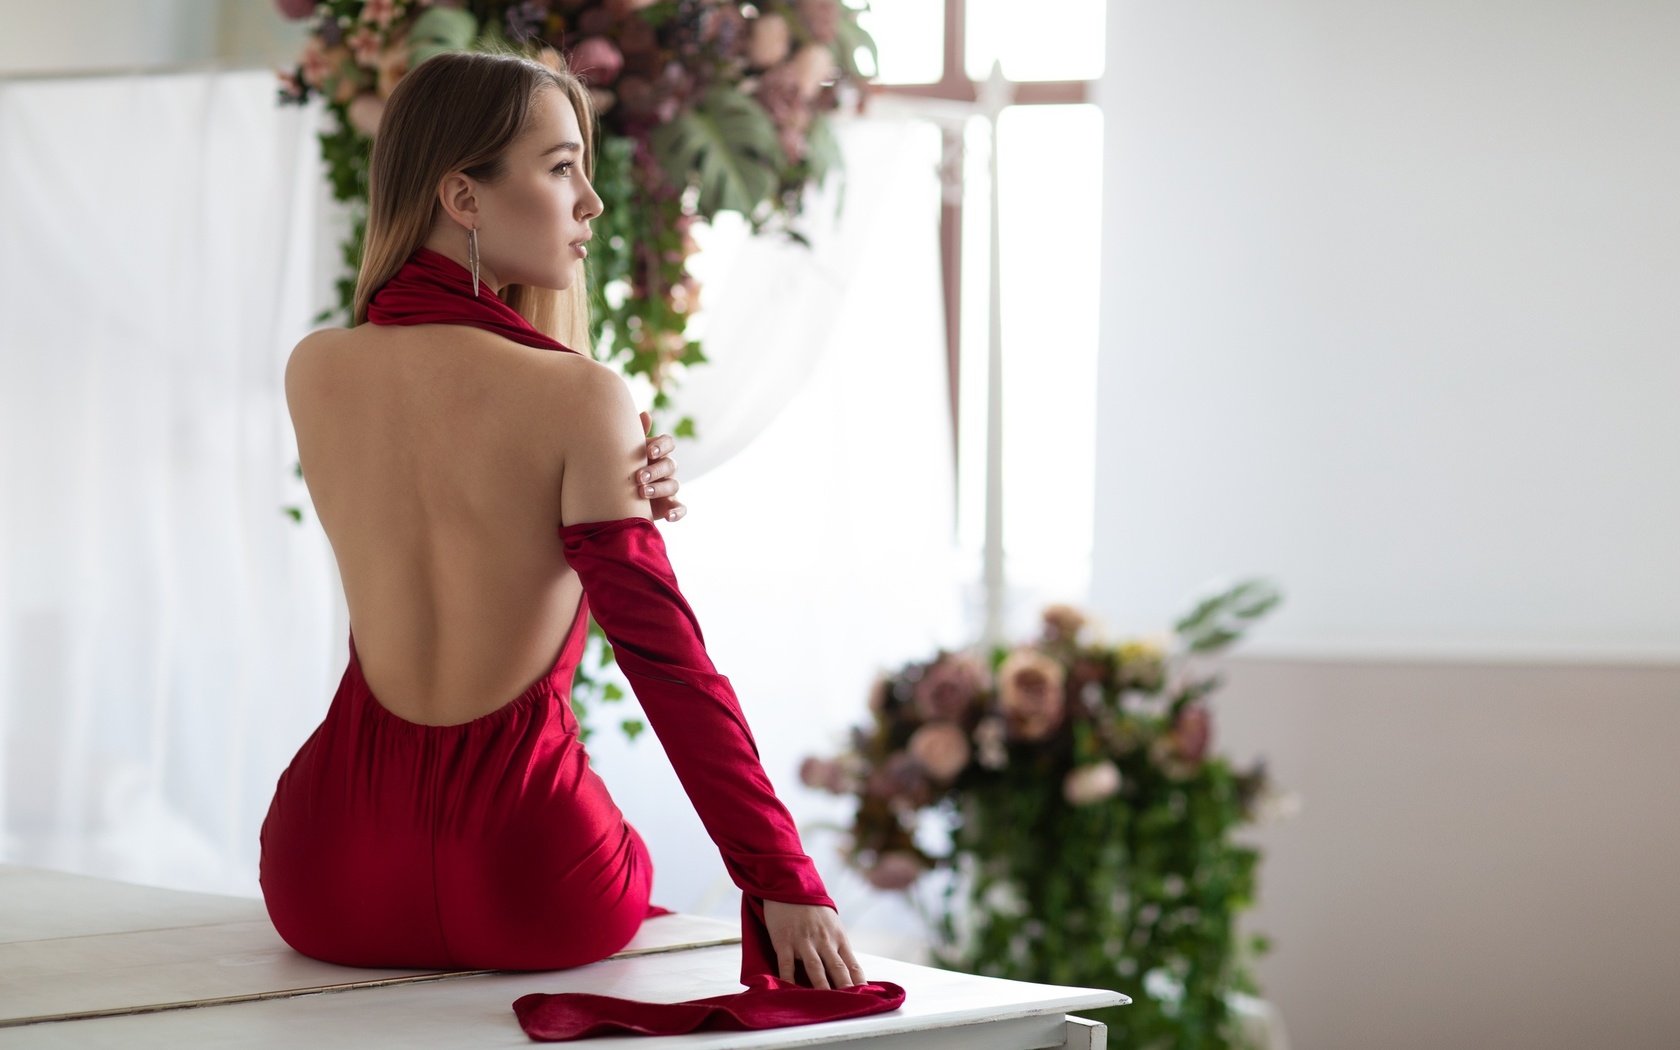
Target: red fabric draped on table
<point>632,591</point>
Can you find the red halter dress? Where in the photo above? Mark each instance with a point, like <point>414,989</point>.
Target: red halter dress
<point>491,844</point>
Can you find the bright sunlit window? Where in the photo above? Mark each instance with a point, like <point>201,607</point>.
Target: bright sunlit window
<point>1046,40</point>
<point>909,36</point>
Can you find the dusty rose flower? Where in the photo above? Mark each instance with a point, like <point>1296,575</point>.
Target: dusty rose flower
<point>597,59</point>
<point>812,64</point>
<point>1191,732</point>
<point>900,781</point>
<point>1091,783</point>
<point>364,112</point>
<point>894,870</point>
<point>822,18</point>
<point>941,748</point>
<point>724,26</point>
<point>313,61</point>
<point>950,687</point>
<point>778,93</point>
<point>770,40</point>
<point>1030,694</point>
<point>1062,623</point>
<point>1178,752</point>
<point>379,12</point>
<point>826,774</point>
<point>365,44</point>
<point>637,96</point>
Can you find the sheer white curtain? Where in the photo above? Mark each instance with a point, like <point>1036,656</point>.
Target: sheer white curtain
<point>164,627</point>
<point>168,637</point>
<point>770,305</point>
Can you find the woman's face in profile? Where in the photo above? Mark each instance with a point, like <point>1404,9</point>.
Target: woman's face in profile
<point>532,220</point>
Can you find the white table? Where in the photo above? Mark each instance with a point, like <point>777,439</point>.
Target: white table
<point>88,962</point>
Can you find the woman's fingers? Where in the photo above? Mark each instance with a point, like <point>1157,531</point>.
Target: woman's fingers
<point>661,446</point>
<point>784,961</point>
<point>851,962</point>
<point>838,972</point>
<point>814,968</point>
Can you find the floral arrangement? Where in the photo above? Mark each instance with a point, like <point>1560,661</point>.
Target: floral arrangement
<point>705,106</point>
<point>1075,797</point>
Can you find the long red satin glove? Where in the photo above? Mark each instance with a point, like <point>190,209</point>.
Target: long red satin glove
<point>656,640</point>
<point>632,591</point>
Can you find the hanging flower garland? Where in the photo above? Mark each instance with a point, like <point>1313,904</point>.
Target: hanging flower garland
<point>704,105</point>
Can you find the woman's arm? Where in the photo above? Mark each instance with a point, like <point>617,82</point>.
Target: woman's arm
<point>619,555</point>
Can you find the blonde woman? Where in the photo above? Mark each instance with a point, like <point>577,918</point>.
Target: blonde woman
<point>468,466</point>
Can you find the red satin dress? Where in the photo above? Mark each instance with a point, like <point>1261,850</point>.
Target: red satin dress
<point>492,844</point>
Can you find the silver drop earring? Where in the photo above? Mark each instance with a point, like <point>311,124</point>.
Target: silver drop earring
<point>472,257</point>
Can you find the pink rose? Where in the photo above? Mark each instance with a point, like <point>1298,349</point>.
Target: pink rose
<point>822,17</point>
<point>379,12</point>
<point>1192,732</point>
<point>900,781</point>
<point>812,64</point>
<point>313,61</point>
<point>364,112</point>
<point>366,45</point>
<point>941,748</point>
<point>825,774</point>
<point>1092,783</point>
<point>770,40</point>
<point>950,687</point>
<point>597,60</point>
<point>1062,623</point>
<point>1030,694</point>
<point>894,870</point>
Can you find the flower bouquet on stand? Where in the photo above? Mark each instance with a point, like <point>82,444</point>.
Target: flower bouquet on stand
<point>1083,822</point>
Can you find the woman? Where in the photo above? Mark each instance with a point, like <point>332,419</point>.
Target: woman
<point>468,468</point>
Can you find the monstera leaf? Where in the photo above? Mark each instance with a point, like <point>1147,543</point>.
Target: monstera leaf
<point>730,143</point>
<point>440,29</point>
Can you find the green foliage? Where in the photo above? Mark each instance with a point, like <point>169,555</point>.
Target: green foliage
<point>1221,619</point>
<point>440,29</point>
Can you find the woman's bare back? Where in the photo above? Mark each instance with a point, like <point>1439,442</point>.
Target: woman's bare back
<point>434,456</point>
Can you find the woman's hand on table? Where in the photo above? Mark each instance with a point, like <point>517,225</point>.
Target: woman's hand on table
<point>657,482</point>
<point>811,933</point>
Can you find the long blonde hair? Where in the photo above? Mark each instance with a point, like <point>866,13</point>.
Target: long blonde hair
<point>460,111</point>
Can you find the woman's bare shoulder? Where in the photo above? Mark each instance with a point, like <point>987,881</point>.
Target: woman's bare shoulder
<point>304,364</point>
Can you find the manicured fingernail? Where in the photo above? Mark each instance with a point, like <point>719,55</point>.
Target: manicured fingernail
<point>647,475</point>
<point>671,516</point>
<point>648,491</point>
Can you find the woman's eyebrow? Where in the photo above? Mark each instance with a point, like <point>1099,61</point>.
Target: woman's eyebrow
<point>560,148</point>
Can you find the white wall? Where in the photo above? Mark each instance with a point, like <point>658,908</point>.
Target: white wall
<point>1391,312</point>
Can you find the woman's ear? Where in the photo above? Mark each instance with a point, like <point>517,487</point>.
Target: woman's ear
<point>458,196</point>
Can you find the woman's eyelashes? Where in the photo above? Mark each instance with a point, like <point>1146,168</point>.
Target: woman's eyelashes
<point>563,164</point>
